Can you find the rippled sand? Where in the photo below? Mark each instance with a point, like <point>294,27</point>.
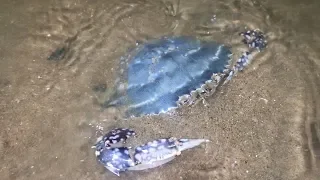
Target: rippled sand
<point>265,124</point>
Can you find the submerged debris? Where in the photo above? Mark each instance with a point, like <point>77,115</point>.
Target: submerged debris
<point>58,54</point>
<point>99,88</point>
<point>61,52</point>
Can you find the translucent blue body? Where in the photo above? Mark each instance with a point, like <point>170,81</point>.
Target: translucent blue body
<point>161,71</point>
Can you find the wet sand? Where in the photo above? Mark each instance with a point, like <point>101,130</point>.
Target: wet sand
<point>264,124</point>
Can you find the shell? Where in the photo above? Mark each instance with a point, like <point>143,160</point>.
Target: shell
<point>160,72</point>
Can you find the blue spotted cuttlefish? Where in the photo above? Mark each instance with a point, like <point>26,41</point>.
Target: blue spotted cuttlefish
<point>116,158</point>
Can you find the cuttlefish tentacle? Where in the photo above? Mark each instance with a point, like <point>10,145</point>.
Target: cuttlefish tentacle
<point>255,40</point>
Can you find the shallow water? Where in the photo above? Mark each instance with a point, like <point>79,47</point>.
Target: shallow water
<point>264,124</point>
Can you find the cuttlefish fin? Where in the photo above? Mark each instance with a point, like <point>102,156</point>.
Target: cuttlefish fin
<point>113,170</point>
<point>190,143</point>
<point>150,165</point>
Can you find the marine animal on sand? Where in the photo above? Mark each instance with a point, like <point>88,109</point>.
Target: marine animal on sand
<point>171,72</point>
<point>162,75</point>
<point>111,153</point>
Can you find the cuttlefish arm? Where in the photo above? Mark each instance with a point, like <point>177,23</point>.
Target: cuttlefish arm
<point>256,42</point>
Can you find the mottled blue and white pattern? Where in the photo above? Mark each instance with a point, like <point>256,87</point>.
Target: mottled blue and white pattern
<point>150,155</point>
<point>254,39</point>
<point>113,137</point>
<point>158,152</point>
<point>115,159</point>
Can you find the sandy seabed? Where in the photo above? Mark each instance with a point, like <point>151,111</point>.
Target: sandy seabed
<point>262,125</point>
